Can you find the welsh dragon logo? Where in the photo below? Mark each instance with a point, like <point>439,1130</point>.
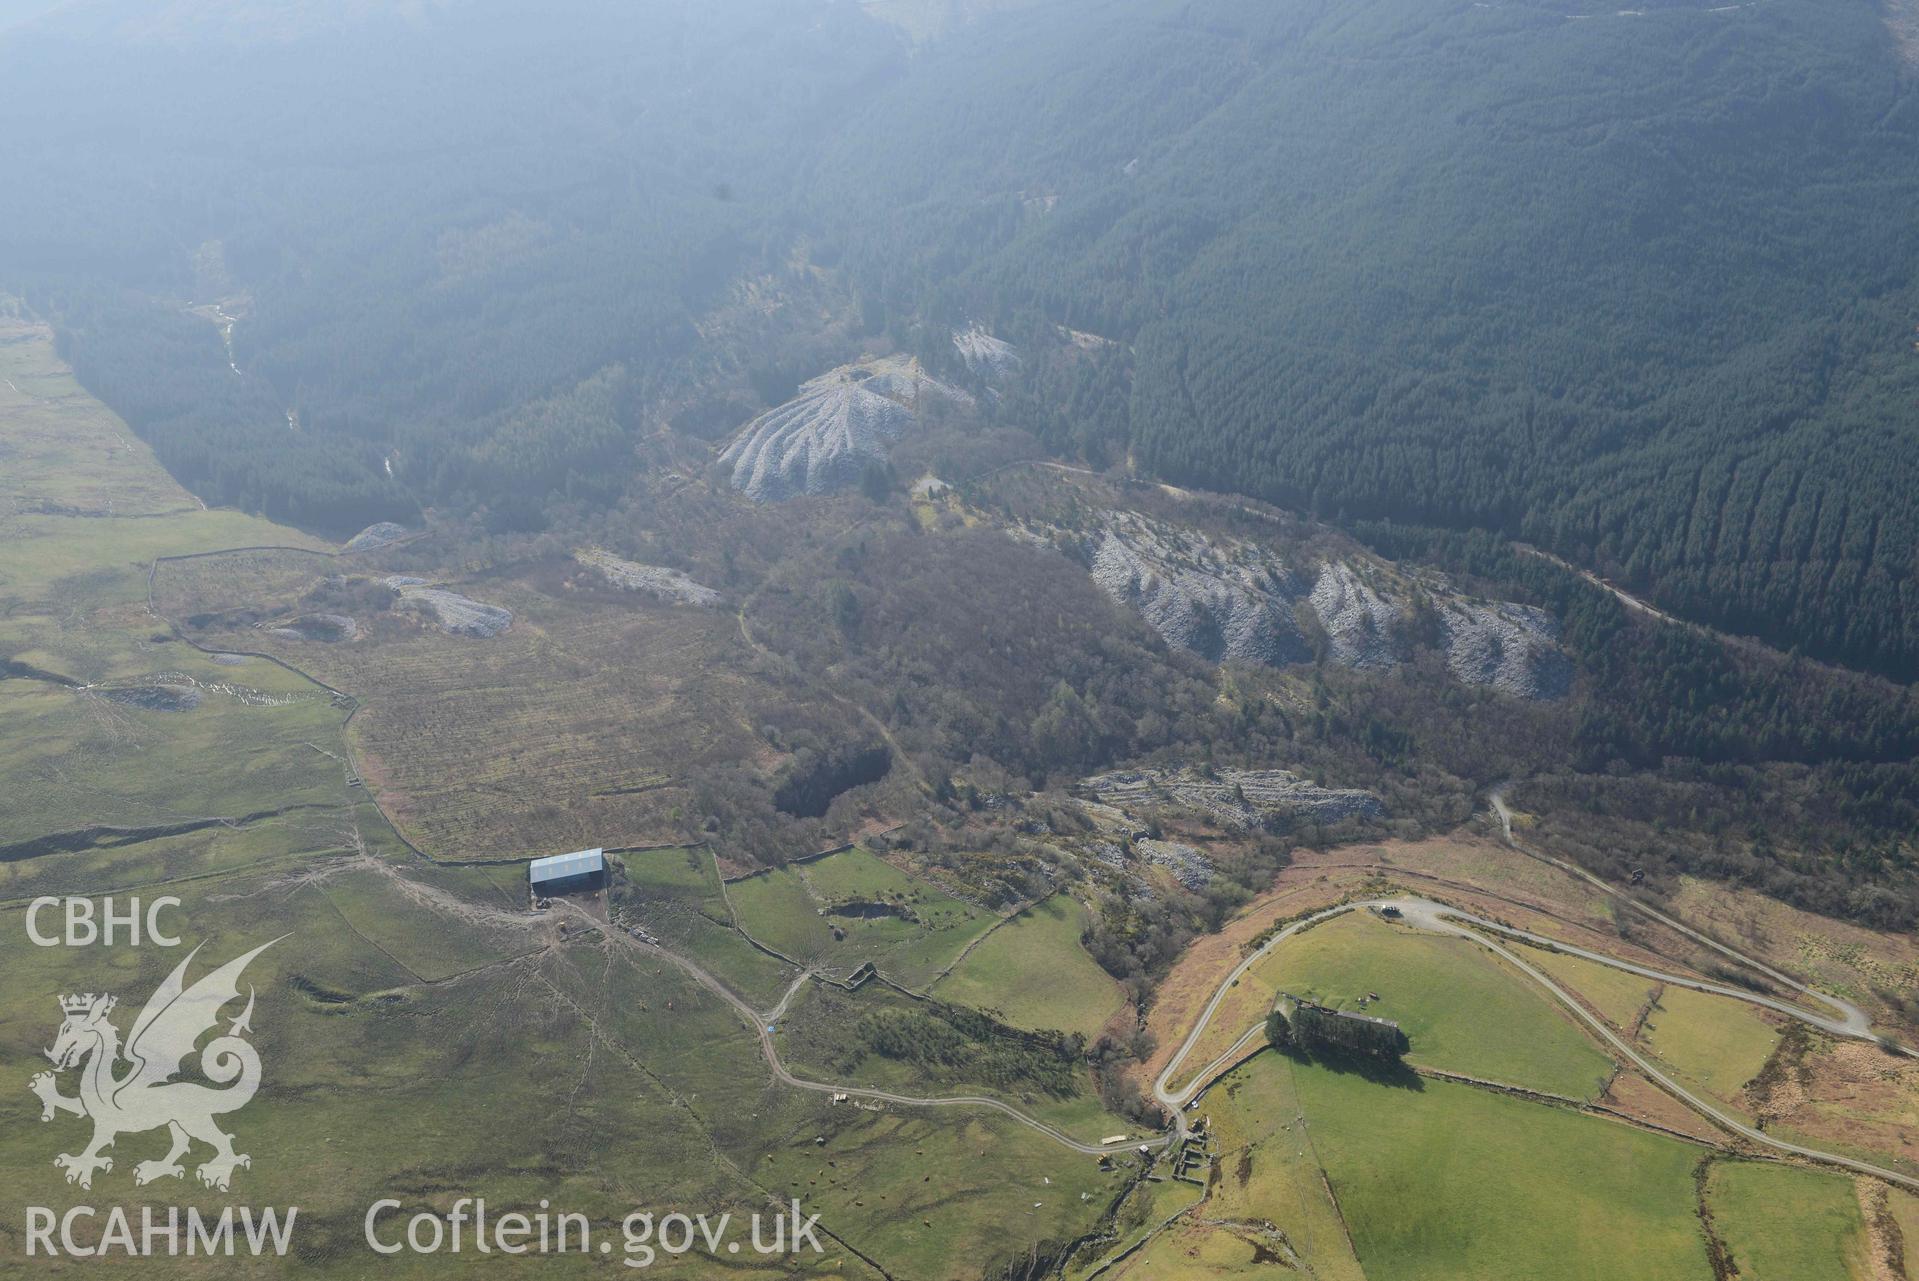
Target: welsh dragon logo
<point>146,1096</point>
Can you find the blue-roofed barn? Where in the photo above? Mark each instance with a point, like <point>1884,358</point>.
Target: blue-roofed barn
<point>567,873</point>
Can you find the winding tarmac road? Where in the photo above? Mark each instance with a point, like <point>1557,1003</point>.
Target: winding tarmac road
<point>1853,1021</point>
<point>1162,1090</point>
<point>1439,918</point>
<point>1419,913</point>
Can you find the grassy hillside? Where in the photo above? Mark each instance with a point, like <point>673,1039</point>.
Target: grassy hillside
<point>1463,1009</point>
<point>420,1029</point>
<point>1034,974</point>
<point>1780,1222</point>
<point>1414,1177</point>
<point>85,510</point>
<point>1716,1044</point>
<point>849,908</point>
<point>1336,1176</point>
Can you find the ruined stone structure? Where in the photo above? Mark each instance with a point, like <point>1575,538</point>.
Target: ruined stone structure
<point>1317,1028</point>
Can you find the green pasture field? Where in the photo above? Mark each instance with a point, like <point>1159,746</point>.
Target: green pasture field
<point>854,875</point>
<point>940,1194</point>
<point>1032,972</point>
<point>1781,1221</point>
<point>1904,1208</point>
<point>63,450</point>
<point>1715,1043</point>
<point>156,865</point>
<point>1463,1010</point>
<point>775,908</point>
<point>783,909</point>
<point>682,873</point>
<point>910,952</point>
<point>1452,1183</point>
<point>1617,995</point>
<point>1265,1171</point>
<point>410,927</point>
<point>85,510</point>
<point>75,758</point>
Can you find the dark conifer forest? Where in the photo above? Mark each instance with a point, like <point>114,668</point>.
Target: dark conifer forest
<point>1637,289</point>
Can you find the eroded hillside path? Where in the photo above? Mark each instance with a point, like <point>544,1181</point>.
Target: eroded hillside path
<point>763,1023</point>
